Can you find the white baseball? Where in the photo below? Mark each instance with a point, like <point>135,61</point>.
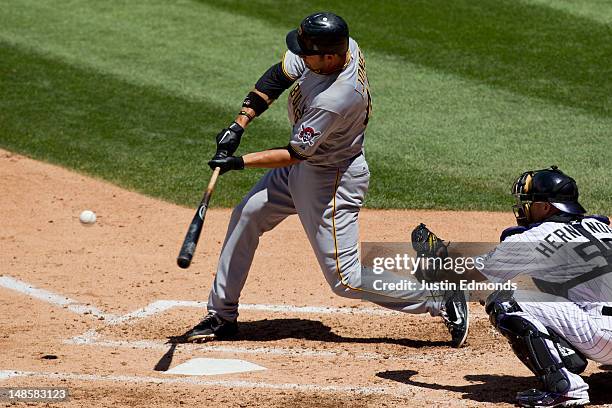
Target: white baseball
<point>87,217</point>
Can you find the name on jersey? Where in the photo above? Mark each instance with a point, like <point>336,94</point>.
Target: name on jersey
<point>555,240</point>
<point>296,97</point>
<point>362,78</point>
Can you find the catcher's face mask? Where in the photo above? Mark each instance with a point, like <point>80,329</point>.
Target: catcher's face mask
<point>521,191</point>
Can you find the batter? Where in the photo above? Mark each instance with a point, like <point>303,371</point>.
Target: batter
<point>321,175</point>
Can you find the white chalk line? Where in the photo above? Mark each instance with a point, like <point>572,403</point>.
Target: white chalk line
<point>93,338</point>
<point>5,375</point>
<point>401,390</point>
<point>320,310</point>
<point>154,308</point>
<point>53,298</point>
<point>161,306</point>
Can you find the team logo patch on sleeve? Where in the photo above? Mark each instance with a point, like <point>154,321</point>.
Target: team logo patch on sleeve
<point>308,135</point>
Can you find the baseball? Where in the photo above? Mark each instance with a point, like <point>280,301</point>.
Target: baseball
<point>87,217</point>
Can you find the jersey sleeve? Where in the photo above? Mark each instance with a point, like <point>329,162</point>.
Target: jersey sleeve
<point>523,260</point>
<point>292,65</point>
<point>507,260</point>
<point>309,132</point>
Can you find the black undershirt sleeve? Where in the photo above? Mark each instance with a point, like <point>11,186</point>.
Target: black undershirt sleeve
<point>274,81</point>
<point>295,154</point>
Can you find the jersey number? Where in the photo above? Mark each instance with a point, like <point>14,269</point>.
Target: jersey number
<point>589,250</point>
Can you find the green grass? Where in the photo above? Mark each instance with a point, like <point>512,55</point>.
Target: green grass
<point>466,94</point>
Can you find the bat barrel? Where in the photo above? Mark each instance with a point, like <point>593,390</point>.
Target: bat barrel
<point>183,261</point>
<point>195,228</point>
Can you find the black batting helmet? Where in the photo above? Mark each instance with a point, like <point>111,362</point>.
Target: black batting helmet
<point>319,34</point>
<point>548,185</point>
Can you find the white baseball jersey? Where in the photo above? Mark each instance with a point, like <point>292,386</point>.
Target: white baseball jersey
<point>569,258</point>
<point>329,113</point>
<point>560,259</point>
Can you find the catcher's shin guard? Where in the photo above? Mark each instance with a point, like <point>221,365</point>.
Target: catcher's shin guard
<point>529,345</point>
<point>573,360</point>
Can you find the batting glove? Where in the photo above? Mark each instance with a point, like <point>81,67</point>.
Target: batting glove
<point>227,163</point>
<point>228,139</point>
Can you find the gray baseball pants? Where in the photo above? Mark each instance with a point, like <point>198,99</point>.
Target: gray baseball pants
<point>327,200</point>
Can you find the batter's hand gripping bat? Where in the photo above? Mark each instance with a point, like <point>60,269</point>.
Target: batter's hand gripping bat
<point>195,228</point>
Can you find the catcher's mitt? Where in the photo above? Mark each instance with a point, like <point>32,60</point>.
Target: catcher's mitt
<point>427,244</point>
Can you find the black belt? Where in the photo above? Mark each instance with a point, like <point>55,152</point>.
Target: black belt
<point>606,311</point>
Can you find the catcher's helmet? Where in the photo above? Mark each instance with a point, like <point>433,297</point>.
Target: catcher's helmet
<point>547,185</point>
<point>319,34</point>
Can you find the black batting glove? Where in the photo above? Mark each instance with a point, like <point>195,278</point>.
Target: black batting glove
<point>226,163</point>
<point>228,139</point>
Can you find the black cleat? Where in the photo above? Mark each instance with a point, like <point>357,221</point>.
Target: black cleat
<point>210,328</point>
<point>456,317</point>
<point>537,398</point>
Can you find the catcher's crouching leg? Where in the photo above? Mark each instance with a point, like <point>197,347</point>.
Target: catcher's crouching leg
<point>529,345</point>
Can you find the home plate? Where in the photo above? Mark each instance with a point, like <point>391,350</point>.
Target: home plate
<point>214,366</point>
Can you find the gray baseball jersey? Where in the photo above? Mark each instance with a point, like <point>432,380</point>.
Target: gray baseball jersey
<point>329,114</point>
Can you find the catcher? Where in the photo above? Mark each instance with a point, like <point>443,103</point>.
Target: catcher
<point>567,256</point>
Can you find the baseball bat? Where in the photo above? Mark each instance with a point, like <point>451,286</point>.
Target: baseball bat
<point>195,228</point>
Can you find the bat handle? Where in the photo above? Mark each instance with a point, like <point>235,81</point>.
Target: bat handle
<point>212,183</point>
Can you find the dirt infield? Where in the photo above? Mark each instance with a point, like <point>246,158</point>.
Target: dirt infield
<point>106,300</point>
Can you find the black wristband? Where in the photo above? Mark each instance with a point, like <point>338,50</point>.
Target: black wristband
<point>244,113</point>
<point>256,102</point>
